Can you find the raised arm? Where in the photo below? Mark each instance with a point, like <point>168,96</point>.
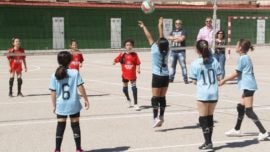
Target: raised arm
<point>160,27</point>
<point>146,32</point>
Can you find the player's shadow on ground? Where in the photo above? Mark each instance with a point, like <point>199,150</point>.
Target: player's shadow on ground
<point>239,144</point>
<point>34,95</point>
<point>184,127</point>
<point>116,149</point>
<point>47,94</point>
<point>144,107</point>
<point>196,126</point>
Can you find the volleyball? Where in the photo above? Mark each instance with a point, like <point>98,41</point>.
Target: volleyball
<point>148,6</point>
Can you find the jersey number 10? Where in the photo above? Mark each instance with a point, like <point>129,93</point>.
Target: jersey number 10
<point>210,75</point>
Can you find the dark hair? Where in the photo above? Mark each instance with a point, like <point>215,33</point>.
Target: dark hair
<point>245,45</point>
<point>202,47</point>
<point>130,41</point>
<point>72,40</point>
<point>223,36</point>
<point>63,58</point>
<point>163,45</point>
<point>13,40</point>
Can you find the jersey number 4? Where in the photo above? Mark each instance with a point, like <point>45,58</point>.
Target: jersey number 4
<point>65,90</point>
<point>210,74</point>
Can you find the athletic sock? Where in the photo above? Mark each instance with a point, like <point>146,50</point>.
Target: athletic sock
<point>135,94</point>
<point>125,91</point>
<point>60,129</point>
<point>77,134</point>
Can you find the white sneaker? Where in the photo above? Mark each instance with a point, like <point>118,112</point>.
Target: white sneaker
<point>233,133</point>
<point>162,121</point>
<point>262,136</point>
<point>157,122</point>
<point>136,107</point>
<point>129,103</point>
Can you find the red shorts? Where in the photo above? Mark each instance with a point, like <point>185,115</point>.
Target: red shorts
<point>16,68</point>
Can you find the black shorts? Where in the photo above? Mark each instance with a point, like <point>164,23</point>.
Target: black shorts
<point>208,101</point>
<point>160,81</point>
<point>248,93</point>
<point>70,116</point>
<point>126,80</point>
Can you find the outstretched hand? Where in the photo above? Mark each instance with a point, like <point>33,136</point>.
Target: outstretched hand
<point>141,24</point>
<point>221,82</point>
<point>160,21</point>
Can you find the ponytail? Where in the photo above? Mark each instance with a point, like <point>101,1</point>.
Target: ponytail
<point>61,73</point>
<point>163,45</point>
<point>63,58</point>
<point>245,45</point>
<point>203,49</point>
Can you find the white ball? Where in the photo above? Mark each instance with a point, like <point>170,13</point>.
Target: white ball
<point>148,6</point>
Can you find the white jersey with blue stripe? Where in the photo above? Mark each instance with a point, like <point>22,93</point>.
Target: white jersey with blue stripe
<point>157,67</point>
<point>67,98</point>
<point>206,76</point>
<point>246,78</point>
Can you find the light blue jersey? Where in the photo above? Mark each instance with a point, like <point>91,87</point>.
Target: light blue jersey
<point>246,79</point>
<point>67,98</point>
<point>157,67</point>
<point>206,76</point>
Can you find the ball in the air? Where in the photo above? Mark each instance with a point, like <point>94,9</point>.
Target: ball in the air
<point>148,6</point>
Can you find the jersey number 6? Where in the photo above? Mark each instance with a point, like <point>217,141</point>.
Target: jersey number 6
<point>66,93</point>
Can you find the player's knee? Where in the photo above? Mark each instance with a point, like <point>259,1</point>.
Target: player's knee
<point>125,89</point>
<point>241,109</point>
<point>154,102</point>
<point>134,88</point>
<point>162,102</point>
<point>203,121</point>
<point>251,114</point>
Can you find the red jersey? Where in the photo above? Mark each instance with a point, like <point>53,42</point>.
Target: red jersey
<point>16,58</point>
<point>128,61</point>
<point>77,59</point>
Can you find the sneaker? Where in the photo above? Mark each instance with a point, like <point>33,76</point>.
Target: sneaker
<point>20,94</point>
<point>129,103</point>
<point>157,122</point>
<point>136,107</point>
<point>206,147</point>
<point>170,80</point>
<point>186,81</point>
<point>79,150</point>
<point>161,120</point>
<point>56,150</point>
<point>233,133</point>
<point>262,136</point>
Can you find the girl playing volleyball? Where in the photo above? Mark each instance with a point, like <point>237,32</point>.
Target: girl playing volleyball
<point>130,63</point>
<point>247,83</point>
<point>205,72</point>
<point>77,57</point>
<point>16,58</point>
<point>160,73</point>
<point>65,99</point>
